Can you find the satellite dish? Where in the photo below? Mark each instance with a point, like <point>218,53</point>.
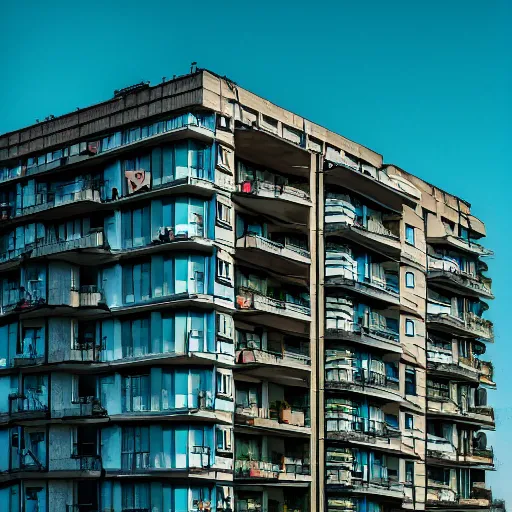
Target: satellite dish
<point>480,441</point>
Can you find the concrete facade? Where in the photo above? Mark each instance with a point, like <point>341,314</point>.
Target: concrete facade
<point>211,303</point>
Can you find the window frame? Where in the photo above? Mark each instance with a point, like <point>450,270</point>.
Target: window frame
<point>412,381</point>
<point>411,275</point>
<point>410,322</point>
<point>410,229</point>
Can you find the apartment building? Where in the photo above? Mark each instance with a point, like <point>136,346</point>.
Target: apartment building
<point>210,303</point>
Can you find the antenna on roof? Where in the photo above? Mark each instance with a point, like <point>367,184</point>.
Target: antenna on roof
<point>193,67</point>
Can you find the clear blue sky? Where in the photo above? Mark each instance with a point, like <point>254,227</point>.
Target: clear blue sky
<point>425,83</point>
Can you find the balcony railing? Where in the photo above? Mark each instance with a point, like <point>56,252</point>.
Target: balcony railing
<point>472,324</point>
<point>256,469</point>
<point>45,247</point>
<point>270,189</point>
<point>265,244</point>
<point>372,330</point>
<point>85,407</point>
<point>27,403</point>
<point>281,414</point>
<point>91,295</point>
<point>250,300</point>
<point>342,425</point>
<point>359,377</point>
<point>258,355</point>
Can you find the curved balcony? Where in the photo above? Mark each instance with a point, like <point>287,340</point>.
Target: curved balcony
<point>57,205</point>
<point>351,482</point>
<point>362,431</point>
<point>369,181</point>
<point>441,363</point>
<point>383,339</point>
<point>472,326</point>
<point>76,251</point>
<point>445,275</point>
<point>379,292</point>
<point>89,154</point>
<point>374,237</point>
<point>62,301</point>
<point>283,258</point>
<point>362,381</point>
<point>481,416</point>
<point>460,244</point>
<point>441,452</point>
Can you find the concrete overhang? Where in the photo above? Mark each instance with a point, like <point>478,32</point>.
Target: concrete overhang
<point>271,151</point>
<point>384,195</point>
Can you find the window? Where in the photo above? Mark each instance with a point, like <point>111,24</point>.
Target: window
<point>223,157</point>
<point>409,421</point>
<point>409,280</point>
<point>135,448</point>
<point>463,233</point>
<point>223,270</point>
<point>136,396</point>
<point>410,381</point>
<point>224,325</point>
<point>223,438</point>
<point>135,496</point>
<point>223,214</point>
<point>224,384</point>
<point>409,472</point>
<point>223,122</point>
<point>409,234</point>
<point>409,327</point>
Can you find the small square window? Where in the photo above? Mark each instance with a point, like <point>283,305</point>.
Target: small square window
<point>463,233</point>
<point>223,122</point>
<point>409,327</point>
<point>409,280</point>
<point>409,421</point>
<point>409,234</point>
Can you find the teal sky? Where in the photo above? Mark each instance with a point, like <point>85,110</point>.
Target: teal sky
<point>426,84</point>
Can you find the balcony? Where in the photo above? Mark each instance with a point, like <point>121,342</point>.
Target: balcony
<point>284,258</point>
<point>441,362</point>
<point>281,197</point>
<point>85,408</point>
<point>459,243</point>
<point>374,236</point>
<point>27,360</point>
<point>285,360</point>
<point>442,497</point>
<point>288,470</point>
<point>384,292</point>
<point>351,482</point>
<point>443,406</point>
<point>248,300</point>
<point>28,405</point>
<point>283,418</point>
<point>374,336</point>
<point>472,325</point>
<point>392,191</point>
<point>68,200</point>
<point>487,373</point>
<point>442,452</point>
<point>362,381</point>
<point>345,427</point>
<point>448,276</point>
